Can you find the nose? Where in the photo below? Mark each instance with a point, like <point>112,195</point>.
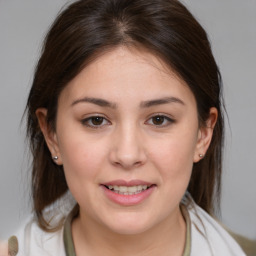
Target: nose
<point>127,149</point>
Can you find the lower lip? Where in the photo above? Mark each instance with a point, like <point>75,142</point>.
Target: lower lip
<point>127,200</point>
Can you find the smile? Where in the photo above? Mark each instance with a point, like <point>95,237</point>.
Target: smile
<point>127,190</point>
<point>128,193</point>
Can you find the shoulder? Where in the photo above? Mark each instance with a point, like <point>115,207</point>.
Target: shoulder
<point>32,240</point>
<point>209,236</point>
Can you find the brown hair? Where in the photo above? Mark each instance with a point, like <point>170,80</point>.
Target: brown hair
<point>87,28</point>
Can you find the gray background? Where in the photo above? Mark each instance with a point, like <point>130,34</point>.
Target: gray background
<point>231,25</point>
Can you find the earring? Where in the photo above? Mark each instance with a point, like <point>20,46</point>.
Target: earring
<point>55,158</point>
<point>201,155</point>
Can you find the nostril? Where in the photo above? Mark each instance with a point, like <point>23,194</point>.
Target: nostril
<point>117,164</point>
<point>137,163</point>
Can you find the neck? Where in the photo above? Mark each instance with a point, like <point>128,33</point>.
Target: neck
<point>166,238</point>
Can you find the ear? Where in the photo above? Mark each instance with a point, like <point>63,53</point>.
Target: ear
<point>49,135</point>
<point>205,133</point>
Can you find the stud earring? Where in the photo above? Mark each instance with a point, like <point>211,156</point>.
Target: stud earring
<point>201,155</point>
<point>55,158</point>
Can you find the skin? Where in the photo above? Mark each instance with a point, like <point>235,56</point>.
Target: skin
<point>3,248</point>
<point>156,143</point>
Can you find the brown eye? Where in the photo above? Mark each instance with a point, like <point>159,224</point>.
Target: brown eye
<point>97,120</point>
<point>158,120</point>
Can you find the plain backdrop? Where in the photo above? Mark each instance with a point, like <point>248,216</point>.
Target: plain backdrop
<point>231,26</point>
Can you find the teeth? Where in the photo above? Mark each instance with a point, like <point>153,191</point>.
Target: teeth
<point>124,190</point>
<point>144,187</point>
<point>133,189</point>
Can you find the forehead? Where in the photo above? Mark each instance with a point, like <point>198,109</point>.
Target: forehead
<point>130,72</point>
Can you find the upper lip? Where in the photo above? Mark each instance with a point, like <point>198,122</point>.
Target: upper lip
<point>127,183</point>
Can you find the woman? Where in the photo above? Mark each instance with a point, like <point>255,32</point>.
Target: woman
<point>125,115</point>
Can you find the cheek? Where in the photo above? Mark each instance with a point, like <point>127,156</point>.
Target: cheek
<point>82,163</point>
<point>174,164</point>
<point>173,160</point>
<point>81,155</point>
<point>173,156</point>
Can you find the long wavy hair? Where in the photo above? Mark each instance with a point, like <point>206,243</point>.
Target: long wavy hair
<point>86,29</point>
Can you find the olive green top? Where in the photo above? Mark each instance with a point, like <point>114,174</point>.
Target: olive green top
<point>69,244</point>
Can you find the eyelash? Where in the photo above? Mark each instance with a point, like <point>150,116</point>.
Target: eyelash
<point>88,121</point>
<point>167,120</point>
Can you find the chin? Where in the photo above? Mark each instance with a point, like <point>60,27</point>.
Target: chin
<point>129,230</point>
<point>130,225</point>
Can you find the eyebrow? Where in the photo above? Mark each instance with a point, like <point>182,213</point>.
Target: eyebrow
<point>161,101</point>
<point>144,104</point>
<point>96,101</point>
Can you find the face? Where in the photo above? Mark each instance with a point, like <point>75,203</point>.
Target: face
<point>127,135</point>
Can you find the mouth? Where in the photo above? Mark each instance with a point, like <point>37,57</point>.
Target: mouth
<point>128,190</point>
<point>128,193</point>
